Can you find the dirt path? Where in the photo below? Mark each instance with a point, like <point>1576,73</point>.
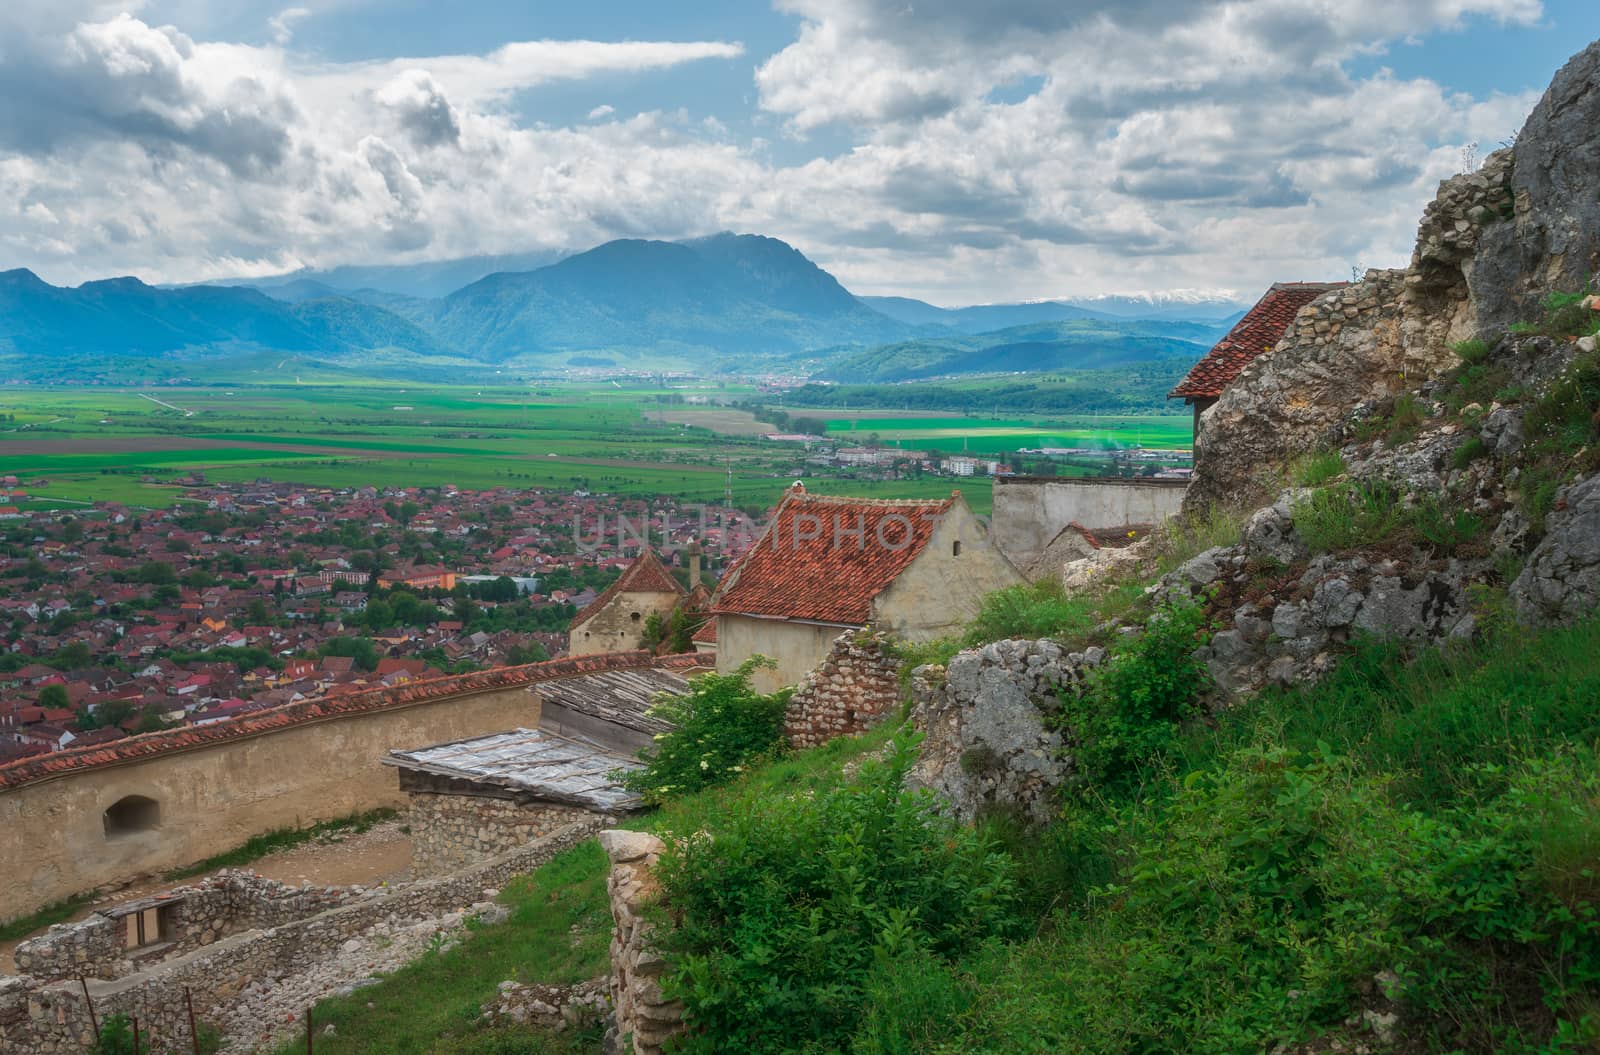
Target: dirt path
<point>382,854</point>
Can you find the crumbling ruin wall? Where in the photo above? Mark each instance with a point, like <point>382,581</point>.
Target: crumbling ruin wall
<point>52,1018</point>
<point>645,1019</point>
<point>450,832</point>
<point>191,916</point>
<point>856,686</point>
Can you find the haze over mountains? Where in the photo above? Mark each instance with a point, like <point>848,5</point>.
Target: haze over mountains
<point>726,301</point>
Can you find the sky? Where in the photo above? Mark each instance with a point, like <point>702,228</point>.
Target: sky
<point>961,151</point>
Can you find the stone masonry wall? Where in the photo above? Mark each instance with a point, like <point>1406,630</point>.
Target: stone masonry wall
<point>645,1020</point>
<point>204,913</point>
<point>52,1019</point>
<point>854,687</point>
<point>449,832</point>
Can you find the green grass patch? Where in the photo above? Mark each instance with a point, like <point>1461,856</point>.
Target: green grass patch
<point>1316,469</point>
<point>558,933</point>
<point>260,846</point>
<point>48,916</point>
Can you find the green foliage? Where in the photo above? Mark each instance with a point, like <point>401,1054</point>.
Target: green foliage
<point>799,907</point>
<point>59,912</point>
<point>360,649</point>
<point>55,697</point>
<point>1564,418</point>
<point>1396,422</point>
<point>1131,709</point>
<point>116,1037</point>
<point>1469,452</point>
<point>1316,469</point>
<point>1191,534</point>
<point>1442,526</point>
<point>1030,610</point>
<point>1563,316</point>
<point>720,727</point>
<point>1346,515</point>
<point>1472,351</point>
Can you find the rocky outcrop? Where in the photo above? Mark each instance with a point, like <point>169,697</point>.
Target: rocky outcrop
<point>1490,247</point>
<point>555,1008</point>
<point>645,1020</point>
<point>1345,348</point>
<point>989,738</point>
<point>1551,240</point>
<point>1561,581</point>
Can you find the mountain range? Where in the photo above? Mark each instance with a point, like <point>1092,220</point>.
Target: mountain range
<point>726,301</point>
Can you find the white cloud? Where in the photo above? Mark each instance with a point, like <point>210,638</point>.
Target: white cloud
<point>1164,144</point>
<point>281,25</point>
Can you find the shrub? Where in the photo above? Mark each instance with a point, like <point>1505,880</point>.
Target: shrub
<point>1564,316</point>
<point>720,726</point>
<point>1469,452</point>
<point>1442,528</point>
<point>1342,516</point>
<point>116,1037</point>
<point>1314,470</point>
<point>1130,710</point>
<point>1029,610</point>
<point>782,921</point>
<point>1193,533</point>
<point>1473,351</point>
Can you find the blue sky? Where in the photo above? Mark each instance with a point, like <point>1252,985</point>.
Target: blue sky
<point>938,148</point>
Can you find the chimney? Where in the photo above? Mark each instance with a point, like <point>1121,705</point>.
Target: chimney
<point>694,563</point>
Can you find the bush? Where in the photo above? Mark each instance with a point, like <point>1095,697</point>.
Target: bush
<point>1029,610</point>
<point>1346,515</point>
<point>1444,529</point>
<point>720,727</point>
<point>1130,710</point>
<point>781,923</point>
<point>116,1037</point>
<point>1469,452</point>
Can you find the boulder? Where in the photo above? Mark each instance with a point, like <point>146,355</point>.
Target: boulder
<point>1561,581</point>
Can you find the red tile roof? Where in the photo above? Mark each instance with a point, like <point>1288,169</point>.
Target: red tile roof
<point>824,559</point>
<point>1262,327</point>
<point>645,575</point>
<point>135,748</point>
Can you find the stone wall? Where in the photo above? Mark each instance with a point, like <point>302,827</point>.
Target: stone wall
<point>53,1019</point>
<point>645,1020</point>
<point>855,686</point>
<point>198,915</point>
<point>449,832</point>
<point>619,624</point>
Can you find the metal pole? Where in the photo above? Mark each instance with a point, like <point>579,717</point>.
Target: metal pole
<point>87,999</point>
<point>194,1034</point>
<point>308,1032</point>
<point>135,1035</point>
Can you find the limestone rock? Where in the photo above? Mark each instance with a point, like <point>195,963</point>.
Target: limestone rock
<point>1561,581</point>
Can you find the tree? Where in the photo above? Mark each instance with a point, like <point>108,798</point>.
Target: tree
<point>156,573</point>
<point>54,698</point>
<point>360,649</point>
<point>256,612</point>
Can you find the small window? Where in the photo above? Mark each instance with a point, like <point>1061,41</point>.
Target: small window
<point>955,548</point>
<point>132,814</point>
<point>635,617</point>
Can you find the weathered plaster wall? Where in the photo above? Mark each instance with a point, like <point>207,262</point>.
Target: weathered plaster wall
<point>942,589</point>
<point>214,797</point>
<point>795,647</point>
<point>1030,511</point>
<point>619,626</point>
<point>449,832</point>
<point>854,687</point>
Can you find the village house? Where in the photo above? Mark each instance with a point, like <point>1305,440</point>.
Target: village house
<point>615,620</point>
<point>1257,333</point>
<point>824,565</point>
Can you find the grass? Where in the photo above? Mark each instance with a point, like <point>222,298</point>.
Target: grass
<point>260,846</point>
<point>48,916</point>
<point>1316,469</point>
<point>558,933</point>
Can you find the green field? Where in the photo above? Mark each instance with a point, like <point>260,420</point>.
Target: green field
<point>1002,436</point>
<point>78,445</point>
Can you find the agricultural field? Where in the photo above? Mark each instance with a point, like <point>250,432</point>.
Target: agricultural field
<point>949,432</point>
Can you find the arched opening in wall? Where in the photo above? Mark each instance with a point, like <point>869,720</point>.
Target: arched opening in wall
<point>635,617</point>
<point>133,814</point>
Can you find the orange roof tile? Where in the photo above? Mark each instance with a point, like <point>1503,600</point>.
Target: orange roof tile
<point>1262,327</point>
<point>134,748</point>
<point>645,575</point>
<point>824,559</point>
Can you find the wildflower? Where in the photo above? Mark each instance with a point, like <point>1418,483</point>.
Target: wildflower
<point>704,764</point>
